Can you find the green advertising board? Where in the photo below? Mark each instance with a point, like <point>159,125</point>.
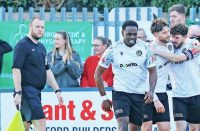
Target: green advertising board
<point>12,32</point>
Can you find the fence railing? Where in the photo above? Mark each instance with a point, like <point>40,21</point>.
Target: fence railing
<point>114,18</point>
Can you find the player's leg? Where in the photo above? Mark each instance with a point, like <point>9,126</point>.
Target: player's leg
<point>121,109</point>
<point>148,117</point>
<point>133,127</point>
<point>136,111</point>
<point>194,113</point>
<point>122,123</point>
<point>27,125</point>
<point>163,119</point>
<point>194,127</point>
<point>163,126</point>
<point>39,125</point>
<point>180,113</point>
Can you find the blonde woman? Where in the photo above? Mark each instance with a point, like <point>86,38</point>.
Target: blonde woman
<point>65,63</point>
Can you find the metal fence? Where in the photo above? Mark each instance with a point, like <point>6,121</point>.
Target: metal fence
<point>97,18</point>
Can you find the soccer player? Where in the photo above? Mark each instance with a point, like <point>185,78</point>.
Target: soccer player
<point>131,59</point>
<point>186,95</point>
<point>158,111</point>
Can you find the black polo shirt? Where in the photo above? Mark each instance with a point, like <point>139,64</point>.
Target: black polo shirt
<point>30,59</point>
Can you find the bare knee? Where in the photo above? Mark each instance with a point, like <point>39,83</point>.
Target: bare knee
<point>27,126</point>
<point>123,123</point>
<point>163,126</point>
<point>39,125</point>
<point>133,127</point>
<point>181,125</point>
<point>147,126</point>
<point>194,127</point>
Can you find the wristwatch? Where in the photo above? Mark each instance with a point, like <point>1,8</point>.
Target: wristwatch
<point>18,92</point>
<point>58,90</point>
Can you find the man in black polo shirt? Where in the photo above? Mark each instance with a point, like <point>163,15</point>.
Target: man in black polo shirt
<point>30,73</point>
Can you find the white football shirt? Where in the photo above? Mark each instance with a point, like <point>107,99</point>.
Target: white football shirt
<point>186,74</point>
<point>129,65</point>
<point>162,67</point>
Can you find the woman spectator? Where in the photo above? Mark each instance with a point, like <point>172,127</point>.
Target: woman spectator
<point>65,63</point>
<point>87,78</point>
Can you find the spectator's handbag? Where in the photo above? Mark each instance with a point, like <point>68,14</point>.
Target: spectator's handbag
<point>16,123</point>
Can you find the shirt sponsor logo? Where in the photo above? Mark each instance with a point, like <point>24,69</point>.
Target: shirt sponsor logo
<point>169,47</point>
<point>166,63</point>
<point>184,50</point>
<point>138,52</point>
<point>128,65</point>
<point>180,62</point>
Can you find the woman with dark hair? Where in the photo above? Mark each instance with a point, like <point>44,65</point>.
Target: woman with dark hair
<point>65,63</point>
<point>100,44</point>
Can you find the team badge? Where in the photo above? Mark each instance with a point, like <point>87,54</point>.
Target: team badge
<point>184,49</point>
<point>169,47</point>
<point>121,53</point>
<point>138,52</point>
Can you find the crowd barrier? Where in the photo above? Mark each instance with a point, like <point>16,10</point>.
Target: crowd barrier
<point>81,110</point>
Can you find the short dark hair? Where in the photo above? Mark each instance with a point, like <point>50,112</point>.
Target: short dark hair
<point>129,23</point>
<point>178,8</point>
<point>157,25</point>
<point>179,29</point>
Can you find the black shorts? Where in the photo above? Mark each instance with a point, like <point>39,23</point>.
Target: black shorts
<point>187,108</point>
<point>31,107</point>
<point>128,104</point>
<point>150,113</point>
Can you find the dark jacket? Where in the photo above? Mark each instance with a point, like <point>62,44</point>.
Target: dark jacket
<point>4,48</point>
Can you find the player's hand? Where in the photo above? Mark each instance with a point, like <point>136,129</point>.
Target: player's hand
<point>60,98</point>
<point>107,105</point>
<point>195,47</point>
<point>148,97</point>
<point>159,106</point>
<point>17,100</point>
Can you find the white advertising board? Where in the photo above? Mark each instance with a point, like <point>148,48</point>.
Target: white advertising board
<point>81,111</point>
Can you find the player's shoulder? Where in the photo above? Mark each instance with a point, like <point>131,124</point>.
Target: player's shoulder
<point>189,44</point>
<point>117,44</point>
<point>142,43</point>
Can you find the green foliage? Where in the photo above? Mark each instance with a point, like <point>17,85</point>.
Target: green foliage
<point>101,4</point>
<point>165,4</point>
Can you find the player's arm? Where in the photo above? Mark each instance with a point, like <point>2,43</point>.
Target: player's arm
<point>186,55</point>
<point>99,80</point>
<point>99,83</point>
<point>104,63</point>
<point>152,78</point>
<point>170,56</point>
<point>52,82</point>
